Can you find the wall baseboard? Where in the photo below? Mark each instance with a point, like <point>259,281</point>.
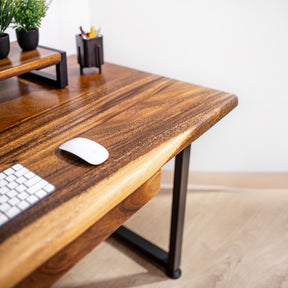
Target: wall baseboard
<point>234,180</point>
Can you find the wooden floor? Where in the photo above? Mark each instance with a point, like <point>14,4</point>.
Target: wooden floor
<point>233,238</point>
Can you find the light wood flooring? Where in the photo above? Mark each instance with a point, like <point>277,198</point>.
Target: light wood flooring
<point>233,238</point>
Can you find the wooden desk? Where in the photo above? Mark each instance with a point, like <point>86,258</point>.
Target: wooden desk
<point>144,120</point>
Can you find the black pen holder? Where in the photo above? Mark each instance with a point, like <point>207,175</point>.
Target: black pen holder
<point>90,52</point>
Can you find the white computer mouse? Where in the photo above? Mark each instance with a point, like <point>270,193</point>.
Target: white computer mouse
<point>88,150</point>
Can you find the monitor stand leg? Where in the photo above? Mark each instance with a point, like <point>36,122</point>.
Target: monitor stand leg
<point>59,79</point>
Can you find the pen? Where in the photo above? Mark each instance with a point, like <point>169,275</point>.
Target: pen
<point>83,34</point>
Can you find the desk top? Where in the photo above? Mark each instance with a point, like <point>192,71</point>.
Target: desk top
<point>143,120</point>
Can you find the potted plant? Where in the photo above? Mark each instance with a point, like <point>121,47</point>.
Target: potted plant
<point>28,20</point>
<point>7,12</point>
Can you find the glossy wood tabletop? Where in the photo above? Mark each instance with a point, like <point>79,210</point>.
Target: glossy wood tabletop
<point>143,120</point>
<point>19,62</point>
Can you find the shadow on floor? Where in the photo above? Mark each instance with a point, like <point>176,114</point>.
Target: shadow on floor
<point>152,274</point>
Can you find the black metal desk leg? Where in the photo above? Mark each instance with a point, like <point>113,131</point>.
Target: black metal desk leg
<point>178,212</point>
<point>170,261</point>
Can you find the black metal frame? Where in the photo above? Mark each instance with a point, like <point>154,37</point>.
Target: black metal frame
<point>90,52</point>
<point>169,260</point>
<point>60,80</point>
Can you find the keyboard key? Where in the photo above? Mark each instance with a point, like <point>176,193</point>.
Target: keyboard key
<point>32,199</point>
<point>21,188</point>
<point>13,201</point>
<point>11,178</point>
<point>12,185</point>
<point>23,205</point>
<point>4,190</point>
<point>49,188</point>
<point>41,193</point>
<point>8,171</point>
<point>29,175</point>
<point>23,195</point>
<point>4,207</point>
<point>11,193</point>
<point>17,167</point>
<point>21,180</point>
<point>13,212</point>
<point>3,219</point>
<point>3,199</point>
<point>3,183</point>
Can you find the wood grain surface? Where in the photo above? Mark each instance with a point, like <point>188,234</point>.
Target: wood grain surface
<point>142,119</point>
<point>19,62</point>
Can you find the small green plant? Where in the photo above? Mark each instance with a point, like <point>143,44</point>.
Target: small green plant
<point>8,8</point>
<point>30,13</point>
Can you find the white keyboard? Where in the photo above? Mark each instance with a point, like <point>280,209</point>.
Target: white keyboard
<point>20,188</point>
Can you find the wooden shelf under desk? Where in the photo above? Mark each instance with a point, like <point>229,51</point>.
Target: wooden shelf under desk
<point>20,63</point>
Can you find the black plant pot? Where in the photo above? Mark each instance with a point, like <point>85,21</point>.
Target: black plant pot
<point>27,40</point>
<point>4,45</point>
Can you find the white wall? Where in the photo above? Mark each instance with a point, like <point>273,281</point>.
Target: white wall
<point>61,24</point>
<point>231,45</point>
